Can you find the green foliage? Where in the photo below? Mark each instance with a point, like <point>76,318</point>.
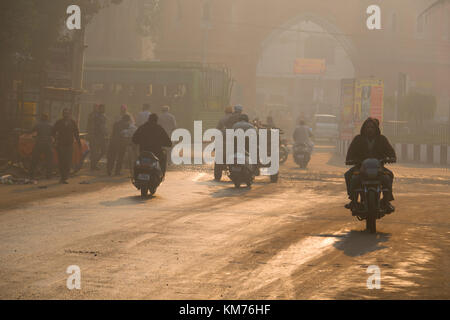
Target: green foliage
<point>417,107</point>
<point>29,27</point>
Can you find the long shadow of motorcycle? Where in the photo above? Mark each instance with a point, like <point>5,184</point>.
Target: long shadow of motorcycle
<point>358,243</point>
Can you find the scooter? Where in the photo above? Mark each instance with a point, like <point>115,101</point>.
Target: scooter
<point>302,154</point>
<point>241,173</point>
<point>147,175</point>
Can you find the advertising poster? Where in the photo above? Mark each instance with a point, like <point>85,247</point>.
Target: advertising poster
<point>360,99</point>
<point>368,100</point>
<point>347,103</point>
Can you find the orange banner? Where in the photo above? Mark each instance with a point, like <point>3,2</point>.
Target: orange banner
<point>309,66</point>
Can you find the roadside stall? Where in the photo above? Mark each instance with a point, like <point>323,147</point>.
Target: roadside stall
<point>53,101</point>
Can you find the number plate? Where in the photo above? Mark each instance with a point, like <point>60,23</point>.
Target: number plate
<point>144,177</point>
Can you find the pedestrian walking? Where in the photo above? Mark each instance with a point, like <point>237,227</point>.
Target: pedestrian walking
<point>118,145</point>
<point>168,122</point>
<point>42,146</point>
<point>65,133</point>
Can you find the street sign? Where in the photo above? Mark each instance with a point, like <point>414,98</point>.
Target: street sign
<point>309,66</point>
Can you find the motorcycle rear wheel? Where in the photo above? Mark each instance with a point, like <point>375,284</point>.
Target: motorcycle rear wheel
<point>371,220</point>
<point>144,191</point>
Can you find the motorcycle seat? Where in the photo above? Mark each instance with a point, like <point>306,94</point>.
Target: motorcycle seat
<point>148,155</point>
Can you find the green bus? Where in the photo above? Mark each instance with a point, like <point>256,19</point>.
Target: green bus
<point>192,90</point>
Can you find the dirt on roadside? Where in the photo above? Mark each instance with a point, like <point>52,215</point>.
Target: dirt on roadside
<point>13,196</point>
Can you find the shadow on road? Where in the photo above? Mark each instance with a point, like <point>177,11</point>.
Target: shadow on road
<point>358,243</point>
<point>124,201</point>
<point>230,192</point>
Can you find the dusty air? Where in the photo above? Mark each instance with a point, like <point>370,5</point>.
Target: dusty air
<point>224,155</point>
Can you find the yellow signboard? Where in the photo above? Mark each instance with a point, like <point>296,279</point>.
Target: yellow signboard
<point>28,114</point>
<point>309,66</point>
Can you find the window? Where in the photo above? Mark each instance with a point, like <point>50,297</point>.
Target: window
<point>149,90</point>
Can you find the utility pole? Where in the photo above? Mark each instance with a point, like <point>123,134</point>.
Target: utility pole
<point>78,64</point>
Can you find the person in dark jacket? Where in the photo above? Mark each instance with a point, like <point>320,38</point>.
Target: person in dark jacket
<point>118,145</point>
<point>43,145</point>
<point>152,137</point>
<point>65,132</point>
<point>223,121</point>
<point>235,116</point>
<point>370,143</point>
<point>97,136</point>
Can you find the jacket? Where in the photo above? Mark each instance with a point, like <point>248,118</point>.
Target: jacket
<point>65,132</point>
<point>359,148</point>
<point>151,137</point>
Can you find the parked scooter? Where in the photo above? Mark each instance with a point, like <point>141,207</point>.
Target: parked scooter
<point>242,173</point>
<point>302,154</point>
<point>369,194</point>
<point>147,175</point>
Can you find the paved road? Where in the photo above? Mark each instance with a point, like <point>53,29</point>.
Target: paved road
<point>200,239</point>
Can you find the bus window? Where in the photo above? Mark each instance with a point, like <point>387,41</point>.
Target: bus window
<point>118,88</point>
<point>149,90</point>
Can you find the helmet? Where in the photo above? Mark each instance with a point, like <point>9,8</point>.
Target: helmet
<point>238,108</point>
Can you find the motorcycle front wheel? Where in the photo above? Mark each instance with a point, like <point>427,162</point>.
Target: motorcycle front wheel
<point>274,178</point>
<point>217,172</point>
<point>144,191</point>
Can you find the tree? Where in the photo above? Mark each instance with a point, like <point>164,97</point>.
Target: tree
<point>149,19</point>
<point>29,28</point>
<point>417,107</point>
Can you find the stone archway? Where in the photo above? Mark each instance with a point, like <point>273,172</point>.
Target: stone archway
<point>276,83</point>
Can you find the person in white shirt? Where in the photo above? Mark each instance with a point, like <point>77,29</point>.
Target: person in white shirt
<point>142,117</point>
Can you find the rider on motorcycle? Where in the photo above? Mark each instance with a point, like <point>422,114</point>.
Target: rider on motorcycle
<point>370,143</point>
<point>302,134</point>
<point>152,137</point>
<point>235,116</point>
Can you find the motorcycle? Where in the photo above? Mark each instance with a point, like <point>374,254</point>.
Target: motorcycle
<point>220,168</point>
<point>147,174</point>
<point>369,193</point>
<point>242,173</point>
<point>302,154</point>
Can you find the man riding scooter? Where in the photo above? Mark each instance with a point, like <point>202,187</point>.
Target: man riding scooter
<point>370,143</point>
<point>151,137</point>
